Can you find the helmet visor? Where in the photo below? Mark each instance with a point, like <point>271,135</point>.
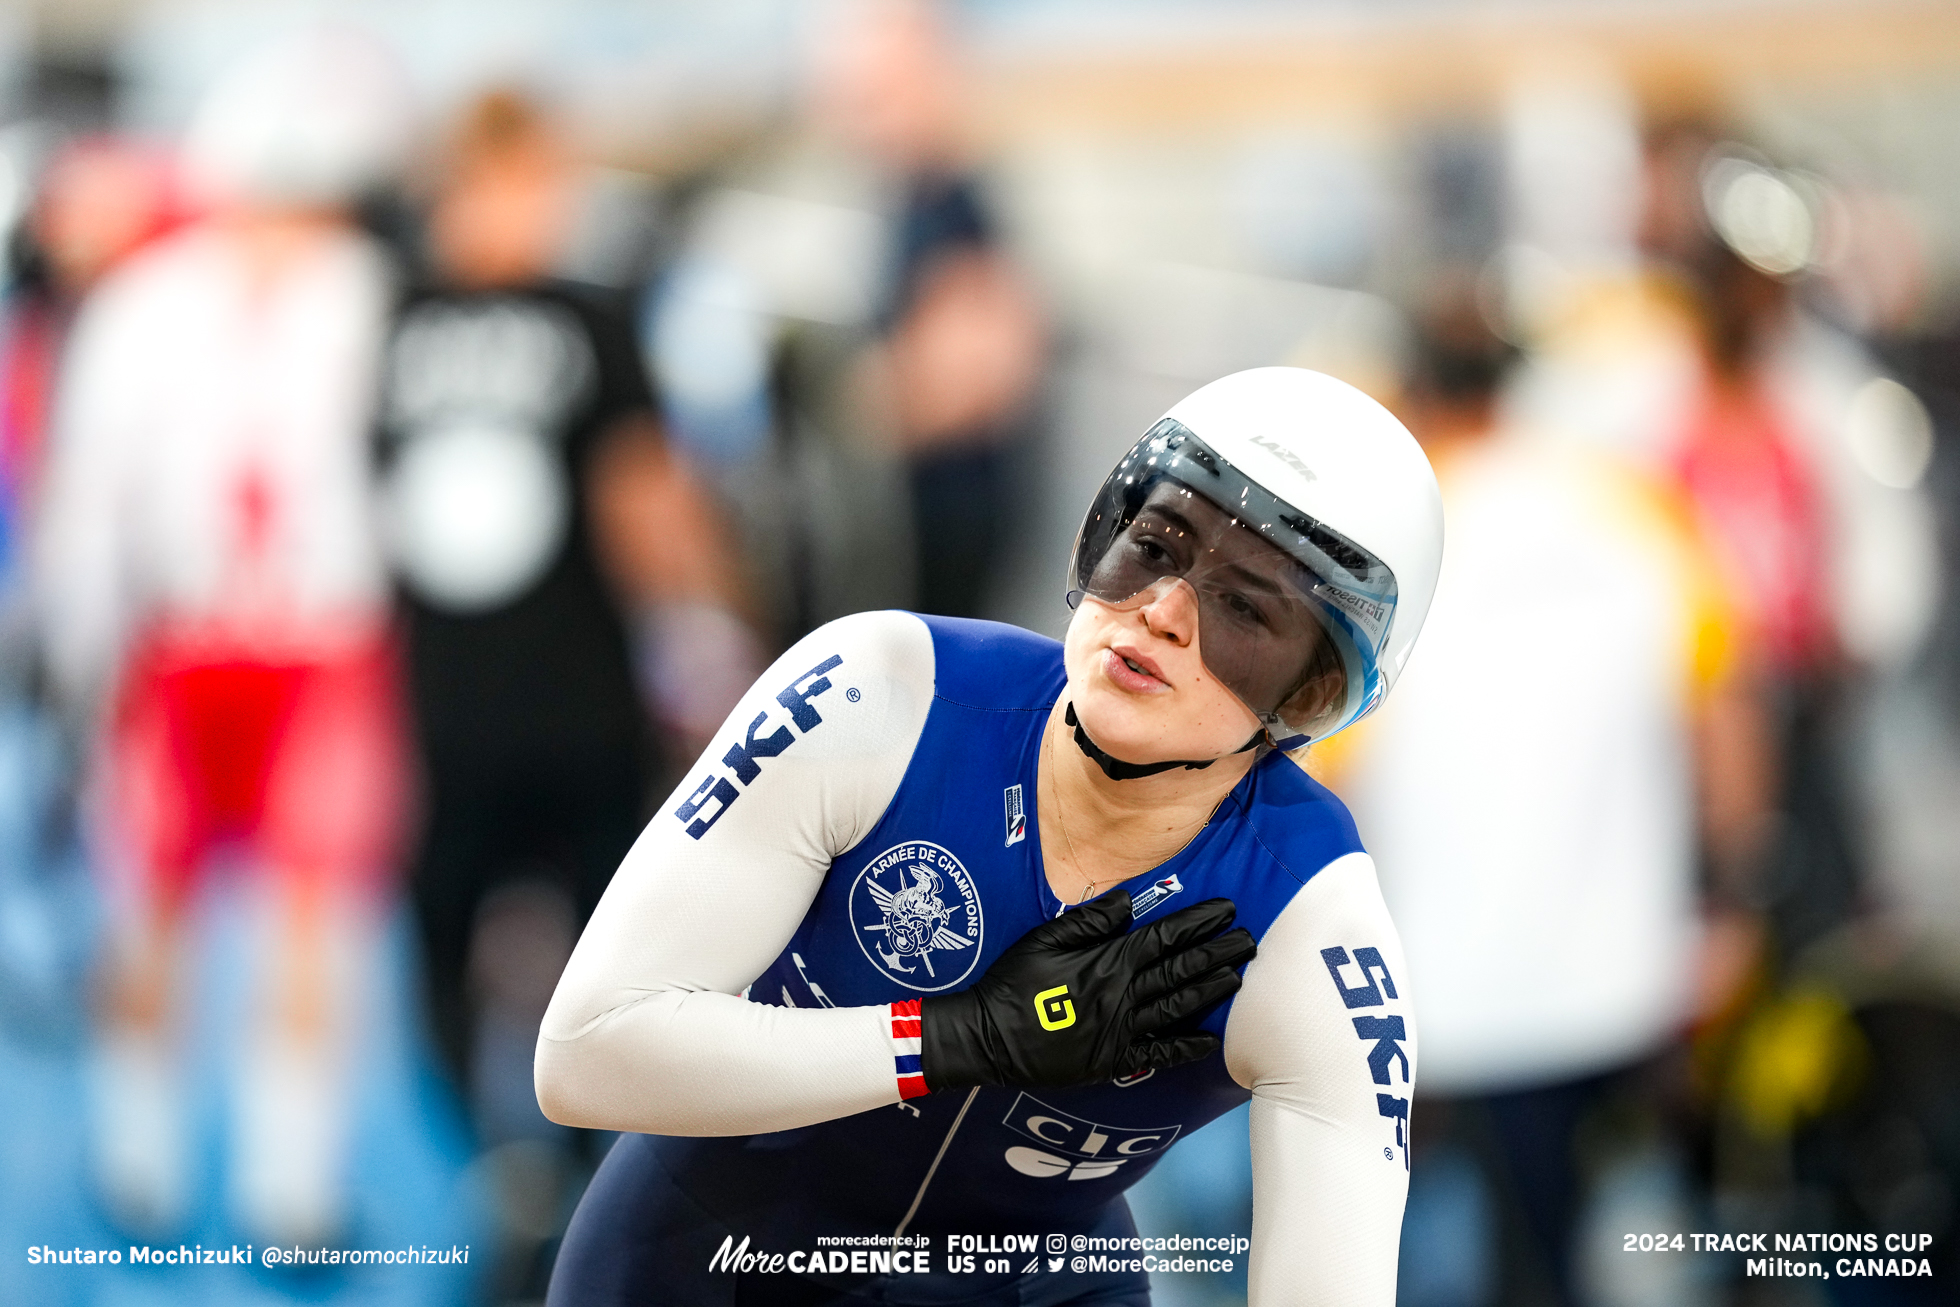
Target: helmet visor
<point>1292,615</point>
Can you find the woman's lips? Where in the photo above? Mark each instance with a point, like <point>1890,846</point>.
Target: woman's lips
<point>1143,678</point>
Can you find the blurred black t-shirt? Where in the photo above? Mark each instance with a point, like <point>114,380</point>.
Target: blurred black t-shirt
<point>493,405</point>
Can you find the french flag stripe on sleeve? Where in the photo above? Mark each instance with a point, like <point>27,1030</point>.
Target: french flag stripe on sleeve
<point>905,1048</point>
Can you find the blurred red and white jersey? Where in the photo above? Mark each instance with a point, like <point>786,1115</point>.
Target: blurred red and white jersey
<point>209,478</point>
<point>1756,492</point>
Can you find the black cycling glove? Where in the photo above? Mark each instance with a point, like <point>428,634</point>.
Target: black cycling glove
<point>1076,1000</point>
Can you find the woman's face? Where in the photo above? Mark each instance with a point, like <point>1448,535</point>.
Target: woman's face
<point>1144,683</point>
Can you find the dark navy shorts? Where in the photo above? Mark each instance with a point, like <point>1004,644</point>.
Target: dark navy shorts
<point>638,1241</point>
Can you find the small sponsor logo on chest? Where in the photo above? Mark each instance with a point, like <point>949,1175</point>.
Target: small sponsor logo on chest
<point>1159,891</point>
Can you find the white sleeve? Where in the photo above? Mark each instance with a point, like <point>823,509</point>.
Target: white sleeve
<point>647,1030</point>
<point>1323,1035</point>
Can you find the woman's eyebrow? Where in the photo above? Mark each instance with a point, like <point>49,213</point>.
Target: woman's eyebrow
<point>1251,579</point>
<point>1302,580</point>
<point>1170,516</point>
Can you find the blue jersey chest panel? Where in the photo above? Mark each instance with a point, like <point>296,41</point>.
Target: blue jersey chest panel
<point>951,876</point>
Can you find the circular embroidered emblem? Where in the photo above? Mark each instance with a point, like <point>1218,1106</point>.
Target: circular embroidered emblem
<point>916,915</point>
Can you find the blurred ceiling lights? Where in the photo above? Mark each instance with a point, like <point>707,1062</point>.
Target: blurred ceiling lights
<point>1890,433</point>
<point>1768,216</point>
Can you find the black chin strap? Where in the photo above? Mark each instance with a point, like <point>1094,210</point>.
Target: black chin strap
<point>1118,770</point>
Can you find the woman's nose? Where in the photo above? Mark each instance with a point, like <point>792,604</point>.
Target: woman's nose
<point>1171,611</point>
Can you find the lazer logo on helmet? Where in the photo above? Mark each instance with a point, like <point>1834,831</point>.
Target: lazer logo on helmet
<point>744,759</point>
<point>1284,455</point>
<point>1073,1147</point>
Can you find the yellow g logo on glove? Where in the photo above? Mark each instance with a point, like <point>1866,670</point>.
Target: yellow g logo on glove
<point>1101,992</point>
<point>1053,1009</point>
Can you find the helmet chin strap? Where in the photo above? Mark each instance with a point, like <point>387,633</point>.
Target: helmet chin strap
<point>1118,770</point>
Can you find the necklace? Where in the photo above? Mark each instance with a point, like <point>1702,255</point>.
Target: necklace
<point>1061,820</point>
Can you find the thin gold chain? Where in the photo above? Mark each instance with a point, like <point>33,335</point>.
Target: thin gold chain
<point>1061,819</point>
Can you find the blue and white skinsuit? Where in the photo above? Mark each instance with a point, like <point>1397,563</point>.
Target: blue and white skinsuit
<point>861,834</point>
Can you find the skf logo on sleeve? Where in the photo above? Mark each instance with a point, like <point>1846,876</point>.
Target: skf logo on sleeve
<point>1053,1008</point>
<point>744,758</point>
<point>1387,1033</point>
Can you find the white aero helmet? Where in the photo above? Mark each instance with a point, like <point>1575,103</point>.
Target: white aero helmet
<point>1336,561</point>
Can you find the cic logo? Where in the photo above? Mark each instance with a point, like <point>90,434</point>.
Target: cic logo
<point>1053,1008</point>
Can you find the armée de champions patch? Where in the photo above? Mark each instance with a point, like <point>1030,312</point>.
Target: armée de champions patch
<point>916,914</point>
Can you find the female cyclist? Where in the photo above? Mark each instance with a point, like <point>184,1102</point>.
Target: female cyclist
<point>934,942</point>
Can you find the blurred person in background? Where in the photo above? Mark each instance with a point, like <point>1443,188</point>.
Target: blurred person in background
<point>540,528</point>
<point>98,199</point>
<point>1538,846</point>
<point>216,614</point>
<point>845,342</point>
<point>1793,449</point>
<point>1756,485</point>
<point>1803,462</point>
<point>960,339</point>
<point>1731,355</point>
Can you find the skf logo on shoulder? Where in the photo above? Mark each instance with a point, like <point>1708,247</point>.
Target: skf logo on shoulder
<point>1071,1146</point>
<point>1388,1033</point>
<point>744,759</point>
<point>916,914</point>
<point>1053,1008</point>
